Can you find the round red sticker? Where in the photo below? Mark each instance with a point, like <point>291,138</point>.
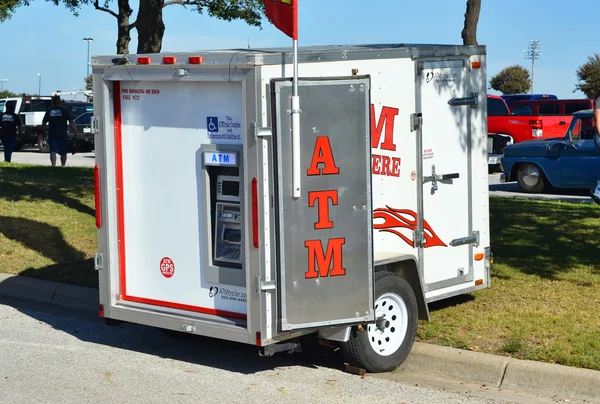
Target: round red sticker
<point>167,267</point>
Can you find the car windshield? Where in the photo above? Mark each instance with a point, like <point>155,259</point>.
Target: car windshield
<point>84,119</point>
<point>582,128</point>
<point>78,109</point>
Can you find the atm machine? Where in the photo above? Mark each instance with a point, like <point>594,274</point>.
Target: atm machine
<point>223,211</point>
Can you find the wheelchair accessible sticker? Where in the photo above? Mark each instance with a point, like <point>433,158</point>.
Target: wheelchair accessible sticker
<point>212,124</point>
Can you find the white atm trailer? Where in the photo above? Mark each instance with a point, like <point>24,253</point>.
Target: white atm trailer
<point>198,228</point>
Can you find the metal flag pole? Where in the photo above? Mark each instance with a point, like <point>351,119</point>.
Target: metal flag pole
<point>295,128</point>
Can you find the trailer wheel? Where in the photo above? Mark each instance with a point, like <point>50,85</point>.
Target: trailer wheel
<point>383,346</point>
<point>43,143</point>
<point>531,179</point>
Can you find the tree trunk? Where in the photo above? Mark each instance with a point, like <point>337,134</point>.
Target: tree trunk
<point>469,32</point>
<point>124,27</point>
<point>150,26</point>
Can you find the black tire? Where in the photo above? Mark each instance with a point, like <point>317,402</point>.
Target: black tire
<point>43,143</point>
<point>531,178</point>
<point>358,350</point>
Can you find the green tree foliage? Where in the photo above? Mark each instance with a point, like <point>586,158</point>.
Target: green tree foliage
<point>512,80</point>
<point>88,82</point>
<point>7,8</point>
<point>149,19</point>
<point>7,94</point>
<point>589,77</point>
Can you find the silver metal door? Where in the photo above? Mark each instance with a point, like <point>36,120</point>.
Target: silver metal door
<point>325,236</point>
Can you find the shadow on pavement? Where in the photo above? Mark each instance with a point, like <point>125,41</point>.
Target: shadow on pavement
<point>204,351</point>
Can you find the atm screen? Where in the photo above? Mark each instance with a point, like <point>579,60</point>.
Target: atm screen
<point>231,188</point>
<point>232,235</point>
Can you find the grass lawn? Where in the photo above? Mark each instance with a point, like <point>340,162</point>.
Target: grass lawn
<point>47,223</point>
<point>544,303</point>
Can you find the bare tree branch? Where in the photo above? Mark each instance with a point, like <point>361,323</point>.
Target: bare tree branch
<point>132,25</point>
<point>106,10</point>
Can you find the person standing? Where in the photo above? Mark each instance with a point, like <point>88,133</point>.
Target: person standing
<point>10,123</point>
<point>58,118</point>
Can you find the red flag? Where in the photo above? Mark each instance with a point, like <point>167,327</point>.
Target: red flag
<point>284,15</point>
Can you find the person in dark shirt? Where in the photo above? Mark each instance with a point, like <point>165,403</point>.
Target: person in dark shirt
<point>58,118</point>
<point>10,123</point>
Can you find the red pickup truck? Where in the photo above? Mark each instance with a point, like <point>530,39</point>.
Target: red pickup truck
<point>527,120</point>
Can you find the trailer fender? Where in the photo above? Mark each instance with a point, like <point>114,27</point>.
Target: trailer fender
<point>406,267</point>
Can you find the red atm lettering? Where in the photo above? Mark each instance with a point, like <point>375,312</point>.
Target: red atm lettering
<point>323,197</point>
<point>324,260</point>
<point>323,155</point>
<point>381,164</point>
<point>386,121</point>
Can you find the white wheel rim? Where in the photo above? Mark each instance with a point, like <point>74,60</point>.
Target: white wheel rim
<point>389,332</point>
<point>531,175</point>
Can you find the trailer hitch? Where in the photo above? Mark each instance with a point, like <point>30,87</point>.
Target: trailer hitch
<point>434,178</point>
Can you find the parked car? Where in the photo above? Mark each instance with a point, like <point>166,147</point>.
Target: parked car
<point>572,161</point>
<point>83,123</point>
<point>510,98</point>
<point>551,107</point>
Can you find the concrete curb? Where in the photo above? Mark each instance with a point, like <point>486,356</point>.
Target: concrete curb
<point>545,379</point>
<point>47,292</point>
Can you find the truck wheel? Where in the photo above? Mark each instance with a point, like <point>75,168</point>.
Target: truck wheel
<point>531,179</point>
<point>43,143</point>
<point>383,346</point>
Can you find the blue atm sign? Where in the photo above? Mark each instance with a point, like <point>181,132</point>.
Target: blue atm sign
<point>220,159</point>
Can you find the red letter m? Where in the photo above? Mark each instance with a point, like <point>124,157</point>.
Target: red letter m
<point>325,261</point>
<point>386,119</point>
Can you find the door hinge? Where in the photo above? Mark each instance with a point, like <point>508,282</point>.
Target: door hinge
<point>97,261</point>
<point>260,132</point>
<point>419,238</point>
<point>264,285</point>
<point>415,121</point>
<point>95,125</point>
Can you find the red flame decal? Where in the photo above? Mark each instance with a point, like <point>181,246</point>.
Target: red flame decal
<point>404,219</point>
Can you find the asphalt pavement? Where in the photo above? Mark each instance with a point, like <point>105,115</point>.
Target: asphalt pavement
<point>31,155</point>
<point>55,356</point>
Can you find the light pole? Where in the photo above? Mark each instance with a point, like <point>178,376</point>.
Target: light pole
<point>40,84</point>
<point>533,52</point>
<point>2,81</point>
<point>88,40</point>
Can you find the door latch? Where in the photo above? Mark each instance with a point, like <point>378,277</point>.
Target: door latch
<point>434,178</point>
<point>470,101</point>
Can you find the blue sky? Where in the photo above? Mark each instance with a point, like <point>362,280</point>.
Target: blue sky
<point>46,39</point>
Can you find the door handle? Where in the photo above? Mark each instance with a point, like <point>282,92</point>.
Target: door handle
<point>434,178</point>
<point>562,123</point>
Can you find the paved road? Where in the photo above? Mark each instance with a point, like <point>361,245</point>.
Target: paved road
<point>54,356</point>
<point>511,189</point>
<point>33,156</point>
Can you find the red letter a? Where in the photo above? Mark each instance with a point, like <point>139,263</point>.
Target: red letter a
<point>323,155</point>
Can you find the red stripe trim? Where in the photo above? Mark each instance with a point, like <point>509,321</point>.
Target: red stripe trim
<point>119,172</point>
<point>121,227</point>
<point>185,307</point>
